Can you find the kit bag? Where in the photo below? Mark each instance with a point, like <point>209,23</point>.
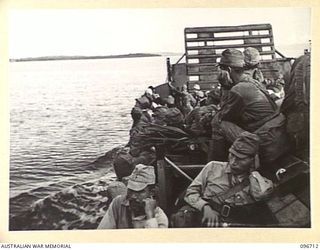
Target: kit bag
<point>260,187</point>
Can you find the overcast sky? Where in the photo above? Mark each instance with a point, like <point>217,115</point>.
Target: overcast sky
<point>119,31</point>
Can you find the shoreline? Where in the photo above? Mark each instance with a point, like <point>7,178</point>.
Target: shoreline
<point>55,58</point>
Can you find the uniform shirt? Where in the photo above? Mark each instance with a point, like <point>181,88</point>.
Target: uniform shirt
<point>257,75</point>
<point>119,216</point>
<point>187,103</point>
<point>247,105</point>
<point>214,179</point>
<point>185,100</point>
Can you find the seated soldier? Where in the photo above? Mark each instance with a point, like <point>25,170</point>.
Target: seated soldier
<point>198,120</point>
<point>247,107</point>
<point>185,100</point>
<point>138,208</point>
<point>198,95</point>
<point>214,96</point>
<point>221,192</point>
<point>276,89</point>
<point>250,67</point>
<point>145,119</point>
<point>142,103</point>
<point>252,61</point>
<point>173,115</point>
<point>124,162</point>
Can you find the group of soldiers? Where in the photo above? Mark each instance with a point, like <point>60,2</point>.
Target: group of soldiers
<point>248,127</point>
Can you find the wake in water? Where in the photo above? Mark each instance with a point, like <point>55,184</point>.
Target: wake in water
<point>79,206</point>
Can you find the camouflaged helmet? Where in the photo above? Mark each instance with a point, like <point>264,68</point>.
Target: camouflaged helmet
<point>232,58</point>
<point>251,56</point>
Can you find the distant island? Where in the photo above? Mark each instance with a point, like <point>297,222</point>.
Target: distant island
<point>52,58</point>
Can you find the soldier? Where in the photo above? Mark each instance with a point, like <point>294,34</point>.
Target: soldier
<point>142,103</point>
<point>252,61</point>
<point>198,95</point>
<point>222,193</point>
<point>138,208</point>
<point>186,101</point>
<point>248,107</point>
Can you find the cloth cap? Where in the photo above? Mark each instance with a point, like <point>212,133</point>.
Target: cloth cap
<point>141,177</point>
<point>148,91</point>
<point>155,96</point>
<point>196,87</point>
<point>246,145</point>
<point>200,94</point>
<point>170,100</point>
<point>251,56</point>
<point>232,58</point>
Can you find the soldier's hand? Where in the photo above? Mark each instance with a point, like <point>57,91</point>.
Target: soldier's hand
<point>149,207</point>
<point>225,79</point>
<point>210,217</point>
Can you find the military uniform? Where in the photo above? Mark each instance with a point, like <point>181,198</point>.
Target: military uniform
<point>122,213</point>
<point>248,107</point>
<point>216,179</point>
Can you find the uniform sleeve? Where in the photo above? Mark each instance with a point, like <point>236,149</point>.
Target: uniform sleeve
<point>175,91</point>
<point>232,108</point>
<point>109,219</point>
<point>193,100</point>
<point>190,118</point>
<point>160,220</point>
<point>195,190</point>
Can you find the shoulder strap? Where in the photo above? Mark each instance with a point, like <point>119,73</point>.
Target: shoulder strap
<point>265,92</point>
<point>235,189</point>
<point>129,216</point>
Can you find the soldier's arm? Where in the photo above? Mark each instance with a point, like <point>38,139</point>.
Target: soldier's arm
<point>109,219</point>
<point>194,192</point>
<point>232,108</point>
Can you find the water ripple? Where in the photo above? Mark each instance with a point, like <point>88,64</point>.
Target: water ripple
<point>64,115</point>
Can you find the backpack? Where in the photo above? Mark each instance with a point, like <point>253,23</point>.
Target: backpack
<point>296,104</point>
<point>297,90</point>
<point>260,187</point>
<point>174,117</point>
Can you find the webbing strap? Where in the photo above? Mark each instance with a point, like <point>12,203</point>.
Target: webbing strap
<point>235,189</point>
<point>273,104</point>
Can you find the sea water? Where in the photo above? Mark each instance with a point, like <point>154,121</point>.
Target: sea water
<point>63,116</point>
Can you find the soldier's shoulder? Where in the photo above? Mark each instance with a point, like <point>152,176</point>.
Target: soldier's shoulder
<point>242,86</point>
<point>216,164</point>
<point>119,199</point>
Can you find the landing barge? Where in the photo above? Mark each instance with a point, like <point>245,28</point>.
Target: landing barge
<point>290,202</point>
<point>180,158</point>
